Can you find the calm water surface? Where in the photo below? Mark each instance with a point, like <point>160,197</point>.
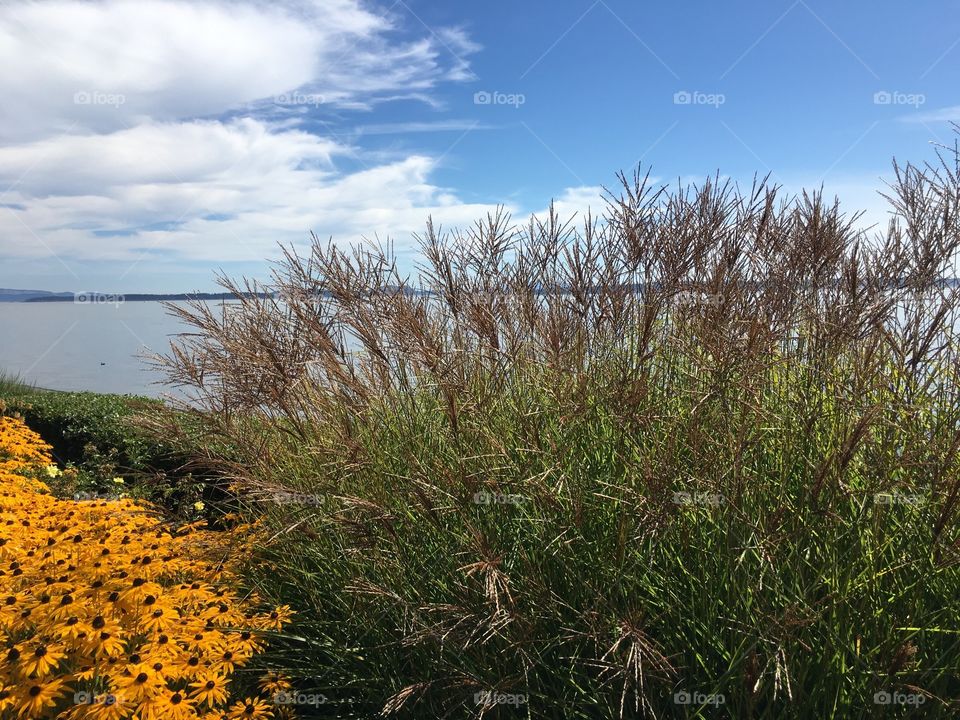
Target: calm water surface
<point>74,346</point>
<point>97,346</point>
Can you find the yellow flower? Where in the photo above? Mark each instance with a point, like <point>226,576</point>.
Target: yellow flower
<point>249,709</point>
<point>7,698</point>
<point>279,616</point>
<point>199,506</point>
<point>39,659</point>
<point>170,705</point>
<point>210,688</point>
<point>34,695</point>
<point>104,595</point>
<point>274,682</point>
<point>139,682</point>
<point>227,661</point>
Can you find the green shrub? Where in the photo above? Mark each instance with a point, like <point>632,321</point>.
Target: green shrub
<point>86,427</point>
<point>94,436</point>
<point>706,449</point>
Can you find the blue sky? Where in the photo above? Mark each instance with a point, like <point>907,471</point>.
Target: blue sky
<point>145,144</point>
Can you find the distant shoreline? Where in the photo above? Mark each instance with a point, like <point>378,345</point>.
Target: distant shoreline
<point>94,298</point>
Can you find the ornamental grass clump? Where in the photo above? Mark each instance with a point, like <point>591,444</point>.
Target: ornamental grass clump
<point>107,612</point>
<point>695,458</point>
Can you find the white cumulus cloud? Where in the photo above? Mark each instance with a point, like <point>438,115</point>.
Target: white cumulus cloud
<point>137,129</point>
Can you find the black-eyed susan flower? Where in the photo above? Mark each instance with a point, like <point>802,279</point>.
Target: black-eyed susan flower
<point>279,617</point>
<point>139,682</point>
<point>34,696</point>
<point>71,629</point>
<point>249,709</point>
<point>229,659</point>
<point>274,682</point>
<point>7,698</point>
<point>210,689</point>
<point>247,641</point>
<point>172,705</point>
<point>39,658</point>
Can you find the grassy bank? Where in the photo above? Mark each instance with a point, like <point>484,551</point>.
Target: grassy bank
<point>696,460</point>
<point>93,438</point>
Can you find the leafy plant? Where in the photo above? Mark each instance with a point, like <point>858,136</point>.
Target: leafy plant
<point>104,453</point>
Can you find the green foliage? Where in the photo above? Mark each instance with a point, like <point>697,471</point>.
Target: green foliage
<point>709,446</point>
<point>589,585</point>
<point>87,427</point>
<point>95,439</point>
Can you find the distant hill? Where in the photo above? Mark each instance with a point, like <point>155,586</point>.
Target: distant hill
<point>17,295</point>
<point>93,298</point>
<point>11,295</point>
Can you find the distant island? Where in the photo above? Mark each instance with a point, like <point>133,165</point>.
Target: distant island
<point>143,297</point>
<point>31,296</point>
<point>36,296</point>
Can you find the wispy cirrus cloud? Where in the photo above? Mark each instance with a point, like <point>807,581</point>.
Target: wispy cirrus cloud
<point>429,126</point>
<point>944,114</point>
<point>104,65</point>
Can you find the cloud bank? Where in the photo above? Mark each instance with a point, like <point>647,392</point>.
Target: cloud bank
<point>163,128</point>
